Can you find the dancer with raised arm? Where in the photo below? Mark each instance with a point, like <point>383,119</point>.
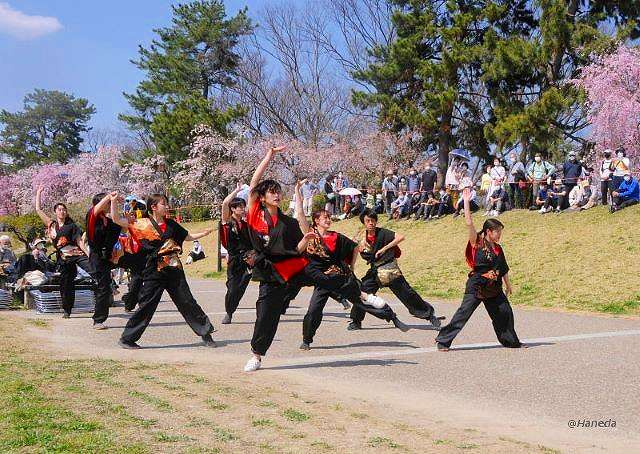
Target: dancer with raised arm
<point>275,257</point>
<point>332,257</point>
<point>489,271</point>
<point>160,239</point>
<point>235,238</point>
<point>71,251</point>
<point>379,248</point>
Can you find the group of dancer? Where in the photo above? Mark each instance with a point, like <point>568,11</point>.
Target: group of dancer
<point>283,254</point>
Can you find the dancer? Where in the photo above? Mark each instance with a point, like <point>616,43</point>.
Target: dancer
<point>489,270</point>
<point>160,239</point>
<point>379,248</point>
<point>235,238</point>
<point>102,235</point>
<point>275,258</point>
<point>71,251</point>
<point>332,257</point>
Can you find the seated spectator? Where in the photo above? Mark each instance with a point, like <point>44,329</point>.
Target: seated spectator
<point>424,207</point>
<point>371,200</point>
<point>401,206</point>
<point>197,253</point>
<point>442,207</point>
<point>379,206</point>
<point>555,197</point>
<point>358,207</point>
<point>416,199</point>
<point>7,257</point>
<point>496,202</point>
<point>580,195</point>
<point>473,203</point>
<point>627,194</point>
<point>35,260</point>
<point>541,198</point>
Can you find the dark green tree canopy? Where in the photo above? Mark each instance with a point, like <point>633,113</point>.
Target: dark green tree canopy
<point>48,129</point>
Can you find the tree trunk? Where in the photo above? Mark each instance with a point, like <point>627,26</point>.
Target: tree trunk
<point>444,144</point>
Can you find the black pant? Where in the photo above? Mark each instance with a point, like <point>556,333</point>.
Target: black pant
<point>238,278</point>
<point>172,280</point>
<point>516,195</point>
<point>272,297</point>
<point>555,202</point>
<point>132,297</point>
<point>404,292</point>
<point>472,205</point>
<point>345,286</point>
<point>620,203</point>
<point>68,271</point>
<point>604,190</point>
<point>498,309</point>
<point>101,273</point>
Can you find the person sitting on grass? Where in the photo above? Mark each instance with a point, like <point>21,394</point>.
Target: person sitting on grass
<point>473,204</point>
<point>555,197</point>
<point>541,198</point>
<point>442,208</point>
<point>627,194</point>
<point>400,206</point>
<point>424,208</point>
<point>496,201</point>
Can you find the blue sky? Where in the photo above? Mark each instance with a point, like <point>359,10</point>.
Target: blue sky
<point>81,47</point>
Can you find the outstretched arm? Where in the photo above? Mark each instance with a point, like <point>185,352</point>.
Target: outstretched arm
<point>466,197</point>
<point>260,170</point>
<point>302,219</point>
<point>46,219</point>
<point>226,211</point>
<point>197,236</point>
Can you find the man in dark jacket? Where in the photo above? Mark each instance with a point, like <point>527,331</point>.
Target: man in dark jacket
<point>572,170</point>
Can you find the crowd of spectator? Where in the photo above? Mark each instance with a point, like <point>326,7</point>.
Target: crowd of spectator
<point>505,184</point>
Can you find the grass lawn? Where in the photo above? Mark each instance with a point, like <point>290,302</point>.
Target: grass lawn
<point>577,261</point>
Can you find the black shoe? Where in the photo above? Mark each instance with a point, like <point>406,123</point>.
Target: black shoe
<point>456,214</point>
<point>398,324</point>
<point>226,320</point>
<point>612,209</point>
<point>128,345</point>
<point>66,315</point>
<point>435,321</point>
<point>129,310</point>
<point>345,304</point>
<point>353,326</point>
<point>305,346</point>
<point>441,347</point>
<point>208,341</point>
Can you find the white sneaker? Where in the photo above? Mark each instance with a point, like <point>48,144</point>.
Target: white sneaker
<point>542,210</point>
<point>375,301</point>
<point>252,365</point>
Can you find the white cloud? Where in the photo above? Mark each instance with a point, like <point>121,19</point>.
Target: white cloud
<point>22,26</point>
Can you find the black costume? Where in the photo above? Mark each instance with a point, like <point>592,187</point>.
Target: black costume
<point>102,235</point>
<point>68,257</point>
<point>329,271</point>
<point>399,286</point>
<point>163,271</point>
<point>483,259</point>
<point>235,239</point>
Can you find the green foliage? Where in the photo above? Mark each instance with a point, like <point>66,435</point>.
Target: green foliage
<point>318,202</point>
<point>48,129</point>
<point>26,227</point>
<point>189,60</point>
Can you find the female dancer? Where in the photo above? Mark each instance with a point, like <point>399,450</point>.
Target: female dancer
<point>160,239</point>
<point>379,248</point>
<point>489,270</point>
<point>331,258</point>
<point>235,239</point>
<point>66,237</point>
<point>275,258</point>
<point>102,235</point>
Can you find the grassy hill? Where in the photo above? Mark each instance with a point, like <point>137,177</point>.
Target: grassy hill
<point>575,261</point>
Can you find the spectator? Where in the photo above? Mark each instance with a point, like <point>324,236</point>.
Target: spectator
<point>424,207</point>
<point>473,203</point>
<point>442,208</point>
<point>197,252</point>
<point>413,181</point>
<point>627,194</point>
<point>329,191</point>
<point>580,195</point>
<point>485,182</point>
<point>515,179</point>
<point>379,206</point>
<point>498,175</point>
<point>370,200</point>
<point>538,171</point>
<point>389,190</point>
<point>620,168</point>
<point>339,185</point>
<point>556,197</point>
<point>401,206</point>
<point>358,207</point>
<point>35,260</point>
<point>451,179</point>
<point>402,185</point>
<point>572,171</point>
<point>496,203</point>
<point>7,257</point>
<point>308,191</point>
<point>541,198</point>
<point>429,179</point>
<point>606,168</point>
<point>416,198</point>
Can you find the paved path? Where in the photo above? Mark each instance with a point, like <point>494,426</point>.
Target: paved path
<point>578,367</point>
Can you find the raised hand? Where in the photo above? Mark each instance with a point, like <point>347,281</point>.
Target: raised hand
<point>277,149</point>
<point>466,194</point>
